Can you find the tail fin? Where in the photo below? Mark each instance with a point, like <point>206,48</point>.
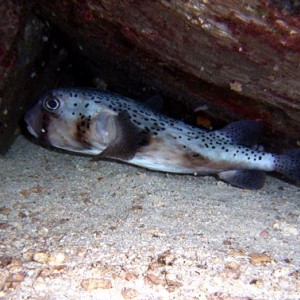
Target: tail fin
<point>288,164</point>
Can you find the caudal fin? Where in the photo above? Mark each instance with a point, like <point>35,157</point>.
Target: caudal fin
<point>288,164</point>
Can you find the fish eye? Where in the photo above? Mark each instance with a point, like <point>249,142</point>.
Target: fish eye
<point>51,104</point>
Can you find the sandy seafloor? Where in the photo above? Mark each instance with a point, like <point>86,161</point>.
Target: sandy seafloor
<point>72,228</point>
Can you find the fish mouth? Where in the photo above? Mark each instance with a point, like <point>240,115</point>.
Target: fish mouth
<point>31,131</point>
<point>28,120</point>
<point>33,121</point>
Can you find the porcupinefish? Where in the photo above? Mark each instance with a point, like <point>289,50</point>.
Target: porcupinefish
<point>108,125</point>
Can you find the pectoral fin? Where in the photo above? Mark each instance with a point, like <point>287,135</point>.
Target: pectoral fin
<point>127,140</point>
<point>247,179</point>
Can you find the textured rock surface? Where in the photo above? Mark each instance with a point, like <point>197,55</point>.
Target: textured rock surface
<point>29,60</point>
<point>11,18</point>
<point>241,59</point>
<point>236,59</point>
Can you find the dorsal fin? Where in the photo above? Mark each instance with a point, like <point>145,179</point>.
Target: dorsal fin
<point>244,132</point>
<point>155,103</point>
<point>127,140</point>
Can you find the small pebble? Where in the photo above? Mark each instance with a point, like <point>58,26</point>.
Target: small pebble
<point>259,259</point>
<point>18,277</point>
<point>129,293</point>
<point>56,259</point>
<point>236,252</point>
<point>94,283</point>
<point>155,280</point>
<point>232,265</point>
<point>129,276</point>
<point>41,257</point>
<point>236,86</point>
<point>264,234</point>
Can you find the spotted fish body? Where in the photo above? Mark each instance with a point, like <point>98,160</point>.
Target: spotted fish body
<point>111,126</point>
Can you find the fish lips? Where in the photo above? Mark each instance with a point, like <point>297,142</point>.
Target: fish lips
<point>33,119</point>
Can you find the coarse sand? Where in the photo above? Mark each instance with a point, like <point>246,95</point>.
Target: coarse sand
<point>73,228</point>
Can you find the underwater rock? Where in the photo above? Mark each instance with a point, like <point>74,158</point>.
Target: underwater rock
<point>239,60</point>
<point>29,62</point>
